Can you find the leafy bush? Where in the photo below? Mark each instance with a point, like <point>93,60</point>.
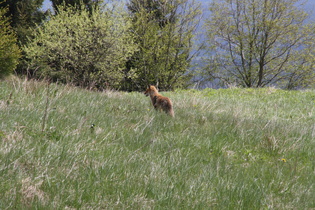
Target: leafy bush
<point>9,51</point>
<point>87,49</point>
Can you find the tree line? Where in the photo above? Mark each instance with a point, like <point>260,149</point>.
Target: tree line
<point>100,44</point>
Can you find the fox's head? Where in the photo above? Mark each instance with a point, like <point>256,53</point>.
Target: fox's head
<point>150,90</point>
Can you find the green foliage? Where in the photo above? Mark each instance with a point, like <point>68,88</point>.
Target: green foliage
<point>225,149</point>
<point>300,71</point>
<point>164,33</point>
<point>256,44</point>
<point>82,48</point>
<point>25,15</point>
<point>9,51</point>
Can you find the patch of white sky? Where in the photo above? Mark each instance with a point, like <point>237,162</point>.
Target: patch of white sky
<point>309,5</point>
<point>47,5</point>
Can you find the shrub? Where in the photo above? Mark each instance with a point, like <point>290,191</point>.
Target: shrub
<point>87,49</point>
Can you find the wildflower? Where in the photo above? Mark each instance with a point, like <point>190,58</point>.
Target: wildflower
<point>283,160</point>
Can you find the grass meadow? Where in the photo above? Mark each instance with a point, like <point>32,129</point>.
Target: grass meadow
<point>66,148</point>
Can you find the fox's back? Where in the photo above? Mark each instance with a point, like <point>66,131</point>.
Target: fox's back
<point>163,101</point>
<point>159,101</point>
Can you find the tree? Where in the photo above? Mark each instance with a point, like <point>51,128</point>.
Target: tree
<point>88,4</point>
<point>25,16</point>
<point>300,71</point>
<point>9,51</point>
<point>254,43</point>
<point>164,32</point>
<point>159,10</point>
<point>83,48</point>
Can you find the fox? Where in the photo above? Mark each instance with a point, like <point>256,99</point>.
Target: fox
<point>158,101</point>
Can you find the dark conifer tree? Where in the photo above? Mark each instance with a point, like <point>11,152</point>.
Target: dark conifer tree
<point>75,3</point>
<point>25,15</point>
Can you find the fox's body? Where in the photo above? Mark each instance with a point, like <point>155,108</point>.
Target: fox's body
<point>158,101</point>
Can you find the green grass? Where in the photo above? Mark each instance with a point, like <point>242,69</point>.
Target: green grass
<point>225,149</point>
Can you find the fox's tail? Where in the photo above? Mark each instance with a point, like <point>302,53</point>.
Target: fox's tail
<point>171,112</point>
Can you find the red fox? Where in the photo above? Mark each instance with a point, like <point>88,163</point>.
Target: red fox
<point>159,102</point>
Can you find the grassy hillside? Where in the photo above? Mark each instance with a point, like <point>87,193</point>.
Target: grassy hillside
<point>225,149</point>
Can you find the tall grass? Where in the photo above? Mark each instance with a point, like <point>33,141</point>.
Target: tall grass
<point>225,149</point>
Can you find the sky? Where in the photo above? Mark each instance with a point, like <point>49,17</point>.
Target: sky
<point>309,5</point>
<point>46,5</point>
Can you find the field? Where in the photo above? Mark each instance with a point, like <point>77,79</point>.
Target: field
<point>66,148</point>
